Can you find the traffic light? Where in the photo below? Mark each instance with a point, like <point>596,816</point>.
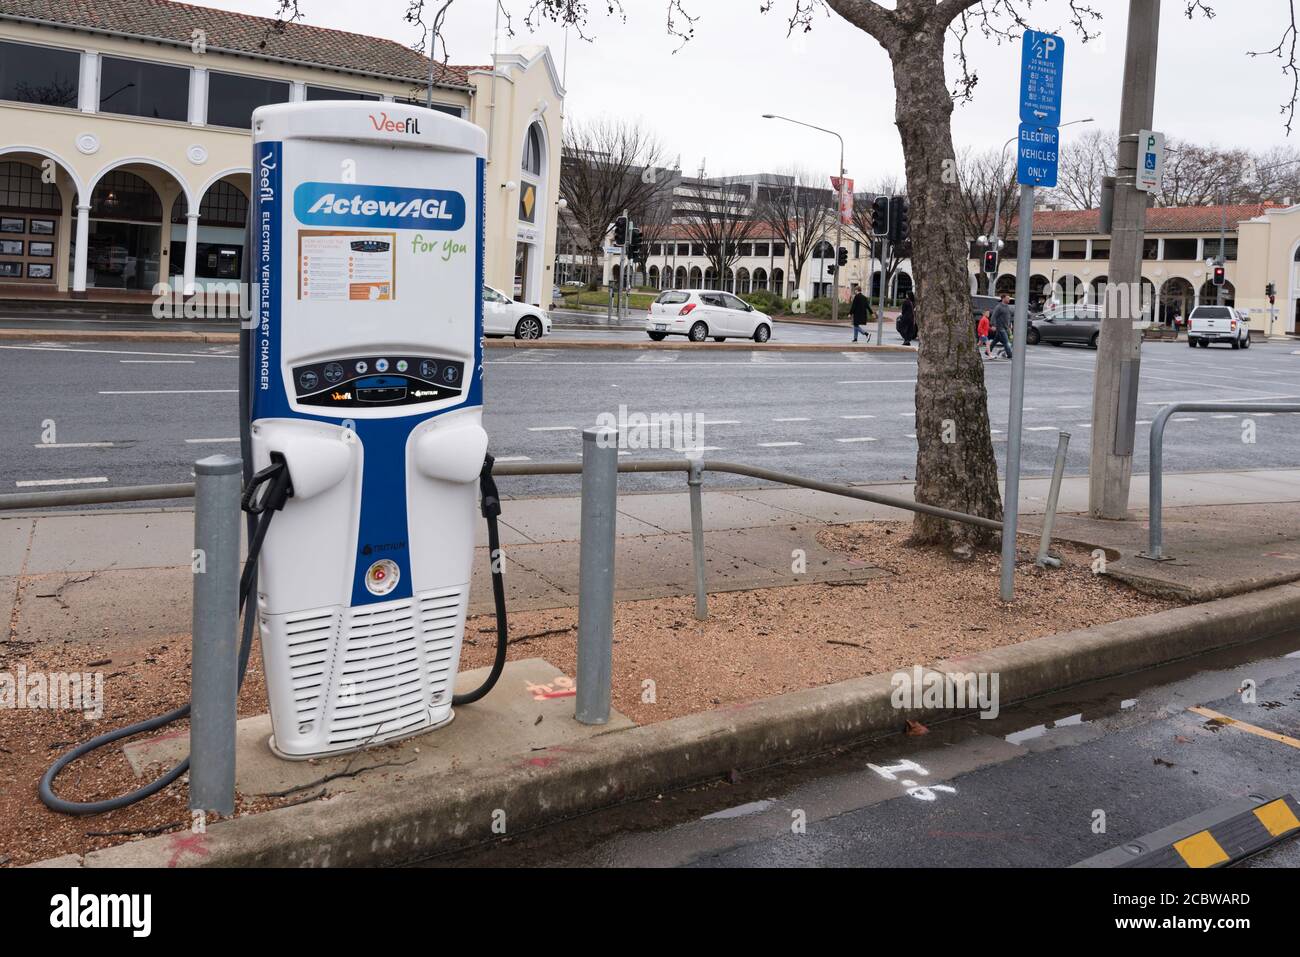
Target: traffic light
<point>1220,277</point>
<point>1271,291</point>
<point>635,248</point>
<point>842,259</point>
<point>880,216</point>
<point>991,262</point>
<point>899,228</point>
<point>620,231</point>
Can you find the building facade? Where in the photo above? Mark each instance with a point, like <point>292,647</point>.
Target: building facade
<point>125,156</point>
<point>1259,243</point>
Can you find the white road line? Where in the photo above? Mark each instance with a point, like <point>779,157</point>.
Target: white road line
<point>35,483</point>
<point>776,445</point>
<point>720,422</point>
<point>552,428</point>
<point>1068,407</point>
<point>233,438</point>
<point>1040,428</point>
<point>907,414</point>
<point>794,419</point>
<point>663,357</point>
<point>1142,422</point>
<point>157,362</point>
<point>857,417</point>
<point>910,436</point>
<point>874,381</point>
<point>863,438</point>
<point>512,458</point>
<point>1225,417</point>
<point>126,352</point>
<point>1083,425</point>
<point>74,445</point>
<point>167,391</point>
<point>1189,418</point>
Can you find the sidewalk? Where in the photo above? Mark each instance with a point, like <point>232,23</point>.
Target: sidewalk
<point>125,573</point>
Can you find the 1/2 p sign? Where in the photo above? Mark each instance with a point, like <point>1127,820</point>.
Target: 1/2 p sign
<point>1042,68</point>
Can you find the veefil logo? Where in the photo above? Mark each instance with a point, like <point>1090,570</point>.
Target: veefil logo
<point>396,207</point>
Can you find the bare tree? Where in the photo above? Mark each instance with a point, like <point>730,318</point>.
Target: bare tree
<point>797,211</point>
<point>720,217</point>
<point>951,399</point>
<point>1084,161</point>
<point>607,166</point>
<point>987,182</point>
<point>1201,175</point>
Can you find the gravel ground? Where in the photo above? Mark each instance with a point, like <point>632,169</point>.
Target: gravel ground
<point>666,664</point>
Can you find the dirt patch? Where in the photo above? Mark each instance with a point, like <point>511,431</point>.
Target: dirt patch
<point>769,641</point>
<point>666,664</point>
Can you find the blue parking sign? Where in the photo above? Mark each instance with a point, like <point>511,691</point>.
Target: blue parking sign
<point>1038,155</point>
<point>1042,69</point>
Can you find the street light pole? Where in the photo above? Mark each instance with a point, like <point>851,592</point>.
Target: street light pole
<point>839,217</point>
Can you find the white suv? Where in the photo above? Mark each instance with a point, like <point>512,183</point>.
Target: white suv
<point>1209,324</point>
<point>502,316</point>
<point>701,313</point>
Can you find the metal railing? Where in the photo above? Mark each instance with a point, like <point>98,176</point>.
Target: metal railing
<point>1155,534</point>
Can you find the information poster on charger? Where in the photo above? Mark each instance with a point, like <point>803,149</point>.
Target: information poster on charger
<point>346,266</point>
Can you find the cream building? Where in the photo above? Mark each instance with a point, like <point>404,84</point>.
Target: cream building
<point>125,149</point>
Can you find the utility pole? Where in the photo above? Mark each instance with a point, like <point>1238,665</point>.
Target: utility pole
<point>1114,396</point>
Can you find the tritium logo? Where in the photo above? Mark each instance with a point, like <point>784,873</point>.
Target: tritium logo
<point>384,124</point>
<point>73,910</point>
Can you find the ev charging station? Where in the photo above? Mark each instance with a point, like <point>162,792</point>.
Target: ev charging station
<point>365,379</point>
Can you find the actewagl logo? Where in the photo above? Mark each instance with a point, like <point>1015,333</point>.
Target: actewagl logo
<point>394,207</point>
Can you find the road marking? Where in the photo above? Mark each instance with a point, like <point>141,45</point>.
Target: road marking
<point>1040,428</point>
<point>720,422</point>
<point>233,438</point>
<point>1222,417</point>
<point>794,419</point>
<point>167,391</point>
<point>511,458</point>
<point>1223,719</point>
<point>35,483</point>
<point>911,436</point>
<point>874,381</point>
<point>857,417</point>
<point>661,357</point>
<point>1142,422</point>
<point>860,439</point>
<point>907,414</point>
<point>157,362</point>
<point>1083,425</point>
<point>74,445</point>
<point>1071,407</point>
<point>1189,418</point>
<point>776,445</point>
<point>553,428</point>
<point>121,352</point>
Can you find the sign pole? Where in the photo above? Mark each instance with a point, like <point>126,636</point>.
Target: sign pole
<point>1011,506</point>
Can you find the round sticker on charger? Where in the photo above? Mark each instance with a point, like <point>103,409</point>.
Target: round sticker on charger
<point>382,576</point>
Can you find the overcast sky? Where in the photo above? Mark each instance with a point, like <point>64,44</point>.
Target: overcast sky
<point>705,99</point>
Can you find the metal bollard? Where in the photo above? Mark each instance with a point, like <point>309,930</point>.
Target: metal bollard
<point>596,574</point>
<point>1049,519</point>
<point>694,480</point>
<point>214,672</point>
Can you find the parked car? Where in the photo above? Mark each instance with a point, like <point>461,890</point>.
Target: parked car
<point>1066,323</point>
<point>574,283</point>
<point>502,317</point>
<point>1208,324</point>
<point>701,313</point>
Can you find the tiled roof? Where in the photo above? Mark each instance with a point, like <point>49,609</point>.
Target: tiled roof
<point>239,33</point>
<point>1161,219</point>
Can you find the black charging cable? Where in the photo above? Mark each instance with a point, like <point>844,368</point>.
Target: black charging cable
<point>490,505</point>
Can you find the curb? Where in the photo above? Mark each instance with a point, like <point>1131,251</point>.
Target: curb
<point>232,338</point>
<point>434,814</point>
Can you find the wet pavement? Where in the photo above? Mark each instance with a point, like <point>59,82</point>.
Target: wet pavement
<point>1047,783</point>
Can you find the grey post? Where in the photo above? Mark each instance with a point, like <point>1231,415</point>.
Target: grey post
<point>596,574</point>
<point>1054,493</point>
<point>880,313</point>
<point>694,480</point>
<point>1119,347</point>
<point>214,677</point>
<point>1011,506</point>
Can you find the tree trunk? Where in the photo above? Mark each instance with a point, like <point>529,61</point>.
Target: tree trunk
<point>955,465</point>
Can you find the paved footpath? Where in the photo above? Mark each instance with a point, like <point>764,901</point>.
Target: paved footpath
<point>100,574</point>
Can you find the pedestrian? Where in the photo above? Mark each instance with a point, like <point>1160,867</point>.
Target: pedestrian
<point>906,324</point>
<point>982,330</point>
<point>1175,320</point>
<point>860,311</point>
<point>1002,319</point>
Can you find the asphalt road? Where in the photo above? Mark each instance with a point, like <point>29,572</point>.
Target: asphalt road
<point>1021,790</point>
<point>126,414</point>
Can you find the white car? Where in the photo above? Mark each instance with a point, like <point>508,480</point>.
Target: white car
<point>701,313</point>
<point>502,316</point>
<point>1208,324</point>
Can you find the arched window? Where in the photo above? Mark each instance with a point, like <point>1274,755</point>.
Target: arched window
<point>124,196</point>
<point>533,151</point>
<point>21,188</point>
<point>223,205</point>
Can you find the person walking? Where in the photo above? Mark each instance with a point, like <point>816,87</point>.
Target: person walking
<point>982,330</point>
<point>1003,318</point>
<point>906,324</point>
<point>860,312</point>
